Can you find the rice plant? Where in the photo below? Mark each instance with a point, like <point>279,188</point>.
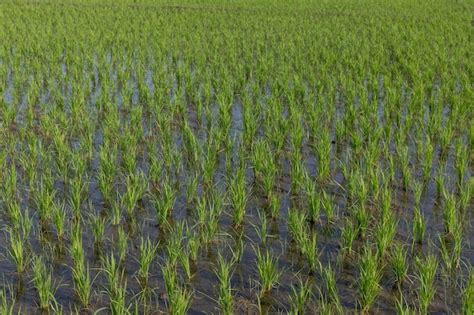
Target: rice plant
<point>97,224</point>
<point>369,279</point>
<point>385,233</point>
<point>238,195</point>
<point>147,253</point>
<point>419,226</point>
<point>468,294</point>
<point>449,213</point>
<point>262,228</point>
<point>116,285</point>
<point>402,308</point>
<point>7,303</point>
<point>332,295</point>
<point>399,264</point>
<point>43,283</point>
<point>179,297</point>
<point>268,272</point>
<point>348,236</point>
<point>224,275</point>
<point>121,244</point>
<point>309,249</point>
<point>300,294</point>
<point>426,272</point>
<point>314,202</point>
<point>17,251</point>
<point>164,203</point>
<point>59,219</point>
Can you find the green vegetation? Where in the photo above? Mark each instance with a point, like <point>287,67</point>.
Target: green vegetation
<point>234,157</point>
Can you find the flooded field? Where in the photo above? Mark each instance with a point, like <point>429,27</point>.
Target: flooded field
<point>246,157</point>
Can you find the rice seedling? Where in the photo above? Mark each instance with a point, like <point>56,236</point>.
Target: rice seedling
<point>193,245</point>
<point>116,285</point>
<point>417,191</point>
<point>80,269</point>
<point>468,294</point>
<point>82,282</point>
<point>107,171</point>
<point>164,202</point>
<point>328,205</point>
<point>419,226</point>
<point>399,264</point>
<point>332,295</point>
<point>224,275</point>
<point>10,191</point>
<point>403,156</point>
<point>427,158</point>
<point>44,202</point>
<point>14,213</point>
<point>426,272</point>
<point>116,213</point>
<point>449,213</point>
<point>17,251</point>
<point>385,233</point>
<point>298,172</point>
<point>465,195</point>
<point>362,217</point>
<point>369,279</point>
<point>323,149</point>
<point>309,249</point>
<point>300,294</point>
<point>313,200</point>
<point>402,308</point>
<point>136,187</point>
<point>274,205</point>
<point>239,248</point>
<point>264,165</point>
<point>78,191</point>
<point>184,259</point>
<point>7,303</point>
<point>175,243</point>
<point>43,283</point>
<point>121,244</point>
<point>451,253</point>
<point>147,253</point>
<point>97,224</point>
<point>238,195</point>
<point>440,181</point>
<point>59,219</point>
<point>192,189</point>
<point>262,228</point>
<point>348,235</point>
<point>461,161</point>
<point>268,272</point>
<point>296,225</point>
<point>179,297</point>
